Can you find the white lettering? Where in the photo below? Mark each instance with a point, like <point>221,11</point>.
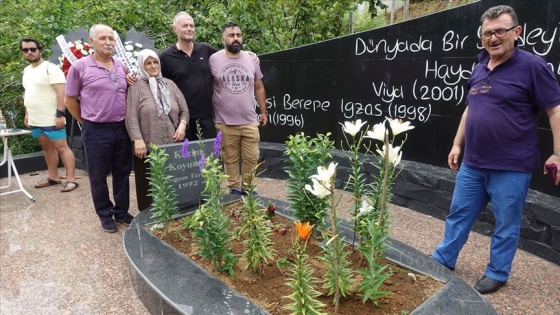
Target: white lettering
<point>389,51</point>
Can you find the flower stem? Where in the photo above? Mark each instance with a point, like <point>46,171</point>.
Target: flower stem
<point>384,183</point>
<point>334,230</point>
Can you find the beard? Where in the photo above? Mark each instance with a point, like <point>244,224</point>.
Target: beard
<point>35,59</point>
<point>234,47</point>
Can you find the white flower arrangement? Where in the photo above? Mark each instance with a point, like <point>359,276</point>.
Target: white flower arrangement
<point>132,51</point>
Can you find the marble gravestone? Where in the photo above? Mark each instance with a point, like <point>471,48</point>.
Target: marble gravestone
<point>185,173</point>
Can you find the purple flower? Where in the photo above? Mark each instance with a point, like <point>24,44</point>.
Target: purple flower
<point>202,163</point>
<point>218,144</point>
<point>185,149</point>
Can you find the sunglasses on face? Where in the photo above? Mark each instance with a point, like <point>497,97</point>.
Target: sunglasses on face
<point>26,50</point>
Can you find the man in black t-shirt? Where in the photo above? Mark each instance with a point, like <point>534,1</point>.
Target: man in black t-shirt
<point>186,64</point>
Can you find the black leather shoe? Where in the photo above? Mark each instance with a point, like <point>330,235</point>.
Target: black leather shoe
<point>488,285</point>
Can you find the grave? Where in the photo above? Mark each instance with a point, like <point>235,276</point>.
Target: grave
<point>185,173</point>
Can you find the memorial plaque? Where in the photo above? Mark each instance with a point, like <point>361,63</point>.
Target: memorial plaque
<point>186,177</point>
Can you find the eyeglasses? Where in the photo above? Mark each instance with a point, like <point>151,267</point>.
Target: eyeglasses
<point>116,83</point>
<point>501,32</point>
<point>484,87</point>
<point>26,50</point>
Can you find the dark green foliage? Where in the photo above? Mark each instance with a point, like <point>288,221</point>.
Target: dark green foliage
<point>211,230</point>
<point>344,274</point>
<point>304,296</point>
<point>304,156</point>
<point>259,247</point>
<point>164,204</point>
<point>372,250</point>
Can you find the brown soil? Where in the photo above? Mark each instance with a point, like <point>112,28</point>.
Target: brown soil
<point>269,287</point>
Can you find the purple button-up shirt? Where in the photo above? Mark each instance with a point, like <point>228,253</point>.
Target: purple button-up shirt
<point>102,93</point>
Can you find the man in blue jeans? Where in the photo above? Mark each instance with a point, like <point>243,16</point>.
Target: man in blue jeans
<point>99,81</point>
<point>498,129</point>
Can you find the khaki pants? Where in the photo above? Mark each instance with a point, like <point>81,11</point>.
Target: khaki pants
<point>239,142</point>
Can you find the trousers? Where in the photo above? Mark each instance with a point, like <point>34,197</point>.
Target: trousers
<point>239,142</point>
<point>108,150</point>
<point>474,188</point>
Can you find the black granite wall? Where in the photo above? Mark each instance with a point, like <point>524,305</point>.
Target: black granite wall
<point>428,189</point>
<point>416,70</point>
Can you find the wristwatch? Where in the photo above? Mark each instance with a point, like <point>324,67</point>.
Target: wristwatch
<point>60,113</point>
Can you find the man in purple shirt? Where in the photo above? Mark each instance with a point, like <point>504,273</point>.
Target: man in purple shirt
<point>99,82</point>
<point>507,89</point>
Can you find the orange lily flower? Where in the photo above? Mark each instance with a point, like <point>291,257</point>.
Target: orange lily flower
<point>303,229</point>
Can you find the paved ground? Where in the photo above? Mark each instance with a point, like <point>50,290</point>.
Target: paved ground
<point>55,259</point>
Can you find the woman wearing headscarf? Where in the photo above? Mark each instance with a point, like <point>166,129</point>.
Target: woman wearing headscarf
<point>156,113</point>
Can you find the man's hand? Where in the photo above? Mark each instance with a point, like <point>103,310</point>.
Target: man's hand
<point>263,119</point>
<point>60,122</point>
<point>553,159</point>
<point>26,121</point>
<point>254,57</point>
<point>453,158</point>
<point>130,79</point>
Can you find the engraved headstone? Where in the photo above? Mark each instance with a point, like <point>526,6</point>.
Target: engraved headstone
<point>186,177</point>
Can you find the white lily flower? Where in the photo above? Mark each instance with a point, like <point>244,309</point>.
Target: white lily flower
<point>79,46</point>
<point>353,128</point>
<point>377,132</point>
<point>395,154</point>
<point>325,174</point>
<point>129,47</point>
<point>318,189</point>
<point>138,45</point>
<point>365,208</point>
<point>398,126</point>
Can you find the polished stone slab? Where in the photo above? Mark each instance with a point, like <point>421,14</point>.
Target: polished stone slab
<point>168,282</point>
<point>185,172</point>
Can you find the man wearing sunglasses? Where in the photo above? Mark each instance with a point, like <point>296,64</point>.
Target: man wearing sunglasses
<point>498,138</point>
<point>45,113</point>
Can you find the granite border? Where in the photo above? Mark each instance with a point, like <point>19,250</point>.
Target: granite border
<point>167,282</point>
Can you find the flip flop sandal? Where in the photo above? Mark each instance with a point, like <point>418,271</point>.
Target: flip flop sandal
<point>64,177</point>
<point>47,182</point>
<point>66,188</point>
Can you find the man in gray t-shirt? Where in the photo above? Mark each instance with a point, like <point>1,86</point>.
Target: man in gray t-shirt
<point>237,82</point>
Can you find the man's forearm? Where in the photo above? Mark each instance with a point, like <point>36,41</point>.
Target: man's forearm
<point>59,89</point>
<point>459,139</point>
<point>73,107</point>
<point>260,95</point>
<point>554,119</point>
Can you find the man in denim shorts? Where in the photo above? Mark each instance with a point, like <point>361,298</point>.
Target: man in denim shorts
<point>45,113</point>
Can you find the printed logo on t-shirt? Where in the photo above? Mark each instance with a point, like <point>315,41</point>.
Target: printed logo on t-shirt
<point>235,78</point>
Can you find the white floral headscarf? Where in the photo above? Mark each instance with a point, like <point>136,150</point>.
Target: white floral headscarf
<point>157,84</point>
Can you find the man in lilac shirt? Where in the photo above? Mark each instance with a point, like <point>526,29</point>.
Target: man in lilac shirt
<point>99,82</point>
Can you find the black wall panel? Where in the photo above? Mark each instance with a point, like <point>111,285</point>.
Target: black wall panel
<point>416,70</point>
